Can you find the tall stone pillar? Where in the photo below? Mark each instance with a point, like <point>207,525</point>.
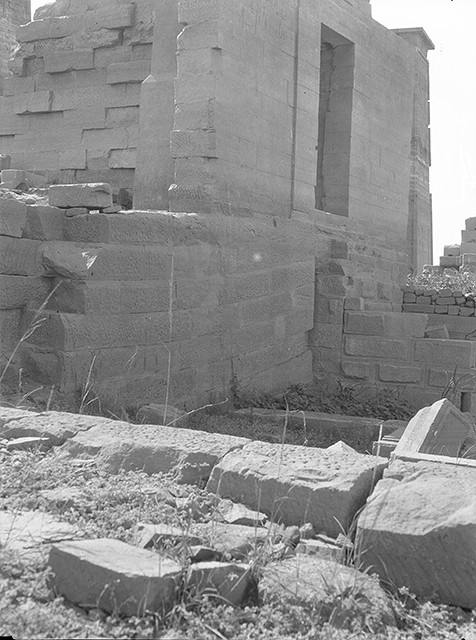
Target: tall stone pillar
<point>154,166</point>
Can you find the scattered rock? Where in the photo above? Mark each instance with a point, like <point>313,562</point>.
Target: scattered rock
<point>418,528</point>
<point>295,484</point>
<point>149,536</point>
<point>232,540</point>
<point>292,536</point>
<point>27,531</point>
<point>189,454</point>
<point>235,513</point>
<point>199,553</point>
<point>161,414</point>
<point>320,548</point>
<point>114,576</point>
<point>338,592</point>
<point>230,582</point>
<point>89,195</point>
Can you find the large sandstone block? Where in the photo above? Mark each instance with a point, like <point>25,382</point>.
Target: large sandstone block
<point>89,195</point>
<point>35,102</point>
<point>54,425</point>
<point>43,223</point>
<point>452,353</point>
<point>296,484</point>
<point>417,530</point>
<point>191,455</point>
<point>28,531</point>
<point>20,257</point>
<point>69,61</point>
<point>133,71</point>
<point>46,28</point>
<point>114,576</point>
<point>12,217</point>
<point>437,430</point>
<point>18,291</point>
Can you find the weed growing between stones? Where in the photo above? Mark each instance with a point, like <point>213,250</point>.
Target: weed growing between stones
<point>351,400</point>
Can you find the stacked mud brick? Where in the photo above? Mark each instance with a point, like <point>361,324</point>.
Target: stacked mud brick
<point>70,109</point>
<point>444,301</point>
<point>150,302</point>
<point>464,254</point>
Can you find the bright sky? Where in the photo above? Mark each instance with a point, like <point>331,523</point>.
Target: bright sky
<point>450,25</point>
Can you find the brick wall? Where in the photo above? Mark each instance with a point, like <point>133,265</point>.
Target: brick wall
<point>242,296</point>
<point>71,109</point>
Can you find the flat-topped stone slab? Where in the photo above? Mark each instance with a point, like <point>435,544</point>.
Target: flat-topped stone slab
<point>189,454</point>
<point>28,531</point>
<point>97,195</point>
<point>295,485</point>
<point>55,426</point>
<point>114,576</point>
<point>418,528</point>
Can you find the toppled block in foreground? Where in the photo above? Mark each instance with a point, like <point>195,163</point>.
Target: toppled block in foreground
<point>296,484</point>
<point>114,576</point>
<point>437,430</point>
<point>95,195</point>
<point>418,530</point>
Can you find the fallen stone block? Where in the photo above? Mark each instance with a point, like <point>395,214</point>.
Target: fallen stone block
<point>12,217</point>
<point>341,594</point>
<point>28,531</point>
<point>189,454</point>
<point>55,426</point>
<point>437,430</point>
<point>229,582</point>
<point>418,527</point>
<point>321,549</point>
<point>294,484</point>
<point>162,415</point>
<point>114,576</point>
<point>89,195</point>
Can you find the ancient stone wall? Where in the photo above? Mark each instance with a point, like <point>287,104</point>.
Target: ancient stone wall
<point>230,301</point>
<point>71,109</point>
<point>390,350</point>
<point>13,13</point>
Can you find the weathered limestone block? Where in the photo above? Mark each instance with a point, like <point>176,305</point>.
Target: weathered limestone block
<point>7,414</point>
<point>89,195</point>
<point>29,530</point>
<point>437,430</point>
<point>417,530</point>
<point>230,582</point>
<point>134,71</point>
<point>54,425</point>
<point>69,61</point>
<point>20,257</point>
<point>296,484</point>
<point>114,576</point>
<point>46,28</point>
<point>446,352</point>
<point>12,217</point>
<point>35,102</point>
<point>18,291</point>
<point>43,223</point>
<point>67,260</point>
<point>313,580</point>
<point>235,540</point>
<point>116,17</point>
<point>191,455</point>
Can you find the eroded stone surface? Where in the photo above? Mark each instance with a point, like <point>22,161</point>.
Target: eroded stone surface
<point>56,426</point>
<point>318,581</point>
<point>28,531</point>
<point>231,582</point>
<point>418,530</point>
<point>154,449</point>
<point>296,484</point>
<point>89,195</point>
